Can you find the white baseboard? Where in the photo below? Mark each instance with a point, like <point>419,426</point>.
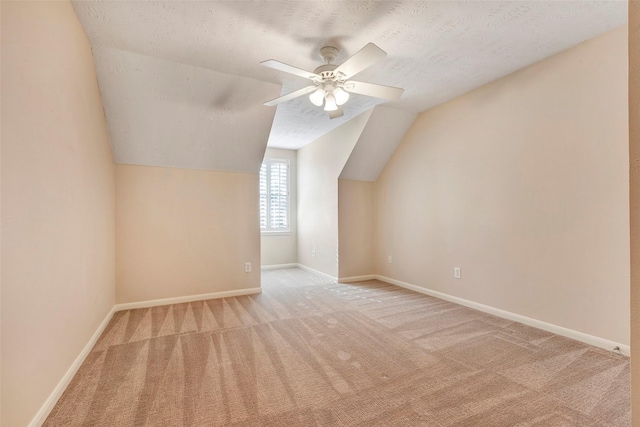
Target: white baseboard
<point>51,401</point>
<point>188,298</point>
<point>278,266</point>
<point>319,273</point>
<point>352,279</point>
<point>559,330</point>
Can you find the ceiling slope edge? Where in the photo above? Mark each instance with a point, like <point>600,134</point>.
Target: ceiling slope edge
<point>379,139</point>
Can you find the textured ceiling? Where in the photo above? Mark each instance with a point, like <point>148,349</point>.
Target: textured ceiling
<point>146,51</point>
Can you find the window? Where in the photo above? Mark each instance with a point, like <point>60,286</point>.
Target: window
<point>274,196</point>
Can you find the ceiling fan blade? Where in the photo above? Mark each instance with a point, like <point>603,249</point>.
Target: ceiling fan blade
<point>364,58</point>
<point>378,91</point>
<point>336,113</point>
<point>290,96</point>
<point>281,66</point>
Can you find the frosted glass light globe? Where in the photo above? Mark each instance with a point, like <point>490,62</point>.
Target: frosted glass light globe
<point>341,95</point>
<point>330,103</point>
<point>317,97</point>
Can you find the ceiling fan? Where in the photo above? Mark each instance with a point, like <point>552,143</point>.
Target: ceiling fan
<point>331,84</point>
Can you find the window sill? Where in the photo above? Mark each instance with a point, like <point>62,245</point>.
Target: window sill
<point>276,233</point>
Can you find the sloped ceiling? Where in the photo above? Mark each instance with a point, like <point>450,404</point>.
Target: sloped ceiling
<point>165,113</point>
<point>379,139</point>
<point>183,86</point>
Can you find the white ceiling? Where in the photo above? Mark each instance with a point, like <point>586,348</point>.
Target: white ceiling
<point>182,84</point>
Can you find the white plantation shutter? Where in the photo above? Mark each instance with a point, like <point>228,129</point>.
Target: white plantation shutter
<point>274,195</point>
<point>263,196</point>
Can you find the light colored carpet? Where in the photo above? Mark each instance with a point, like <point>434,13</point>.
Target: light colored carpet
<point>310,352</point>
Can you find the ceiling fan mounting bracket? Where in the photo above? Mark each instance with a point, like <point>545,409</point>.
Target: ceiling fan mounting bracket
<point>329,53</point>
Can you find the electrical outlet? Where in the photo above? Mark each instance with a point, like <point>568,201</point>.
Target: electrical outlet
<point>313,252</point>
<point>457,273</point>
<point>389,259</point>
<point>247,267</point>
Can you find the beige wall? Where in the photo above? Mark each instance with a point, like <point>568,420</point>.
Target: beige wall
<point>282,248</point>
<point>355,228</point>
<point>522,183</point>
<point>634,162</point>
<point>183,232</point>
<point>58,203</point>
<point>319,166</point>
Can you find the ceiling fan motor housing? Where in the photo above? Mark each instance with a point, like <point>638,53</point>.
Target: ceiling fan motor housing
<point>325,71</point>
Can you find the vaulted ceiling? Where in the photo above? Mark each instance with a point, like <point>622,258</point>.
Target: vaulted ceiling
<point>182,83</point>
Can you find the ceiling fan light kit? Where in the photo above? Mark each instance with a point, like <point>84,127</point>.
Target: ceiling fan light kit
<point>331,82</point>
